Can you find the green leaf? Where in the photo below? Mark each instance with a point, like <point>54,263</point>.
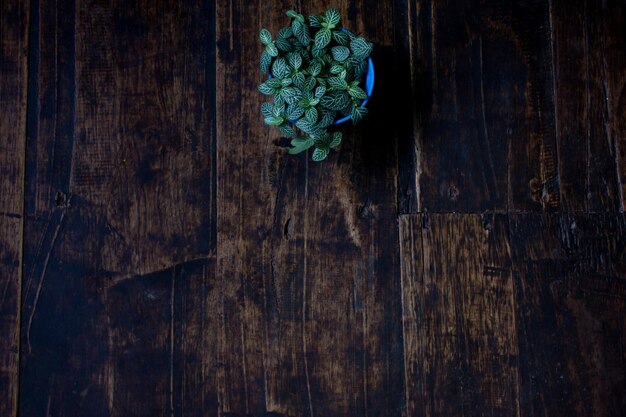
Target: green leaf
<point>266,61</point>
<point>266,89</point>
<point>319,154</point>
<point>341,37</point>
<point>335,100</point>
<point>340,53</point>
<point>285,82</point>
<point>295,60</point>
<point>304,125</point>
<point>271,49</point>
<point>327,119</point>
<point>337,83</point>
<point>361,48</point>
<point>278,108</point>
<point>315,68</point>
<point>295,15</point>
<point>317,52</point>
<point>311,115</point>
<point>298,80</point>
<point>284,45</point>
<point>279,102</point>
<point>358,113</point>
<point>301,32</point>
<point>318,133</point>
<point>361,69</point>
<point>280,69</point>
<point>274,83</point>
<point>357,92</point>
<point>300,144</point>
<point>265,36</point>
<point>294,111</point>
<point>309,84</point>
<point>285,33</point>
<point>274,121</point>
<point>351,35</point>
<point>287,130</point>
<point>320,91</point>
<point>335,139</point>
<point>266,109</point>
<point>322,38</point>
<point>290,94</point>
<point>336,69</point>
<point>316,21</point>
<point>333,17</point>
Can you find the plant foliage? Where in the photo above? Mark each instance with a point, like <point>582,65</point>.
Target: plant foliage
<point>316,72</point>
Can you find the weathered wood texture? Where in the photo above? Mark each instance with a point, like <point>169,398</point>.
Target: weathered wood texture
<point>514,314</point>
<point>120,208</point>
<point>177,262</point>
<point>519,106</point>
<point>307,253</point>
<point>13,92</point>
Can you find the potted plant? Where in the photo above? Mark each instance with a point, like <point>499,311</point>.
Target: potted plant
<point>320,74</point>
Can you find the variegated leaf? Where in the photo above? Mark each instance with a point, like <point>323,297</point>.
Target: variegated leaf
<point>265,36</point>
<point>319,154</point>
<point>333,17</point>
<point>322,38</point>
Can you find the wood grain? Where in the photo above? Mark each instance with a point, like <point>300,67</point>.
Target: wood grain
<point>13,95</point>
<point>460,335</point>
<point>119,203</point>
<point>505,313</point>
<point>589,82</point>
<point>160,254</point>
<point>571,302</point>
<point>307,251</point>
<point>520,106</point>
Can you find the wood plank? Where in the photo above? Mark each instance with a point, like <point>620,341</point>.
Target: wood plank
<point>411,104</point>
<point>511,117</point>
<point>514,314</point>
<point>197,323</point>
<point>246,158</point>
<point>120,203</point>
<point>13,96</point>
<point>460,338</point>
<point>486,77</point>
<point>571,301</point>
<point>308,251</point>
<point>589,71</point>
<point>162,343</point>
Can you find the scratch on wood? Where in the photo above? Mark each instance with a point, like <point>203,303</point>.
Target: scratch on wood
<point>116,280</point>
<point>417,159</point>
<point>612,142</point>
<point>172,299</point>
<point>433,43</point>
<point>587,112</point>
<point>11,215</point>
<point>342,188</point>
<point>304,278</point>
<point>242,330</point>
<point>553,158</point>
<point>41,279</point>
<point>484,119</point>
<point>4,292</point>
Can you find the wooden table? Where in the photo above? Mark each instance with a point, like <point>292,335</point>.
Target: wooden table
<point>464,254</point>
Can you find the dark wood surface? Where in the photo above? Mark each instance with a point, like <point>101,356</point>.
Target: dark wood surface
<point>463,254</point>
